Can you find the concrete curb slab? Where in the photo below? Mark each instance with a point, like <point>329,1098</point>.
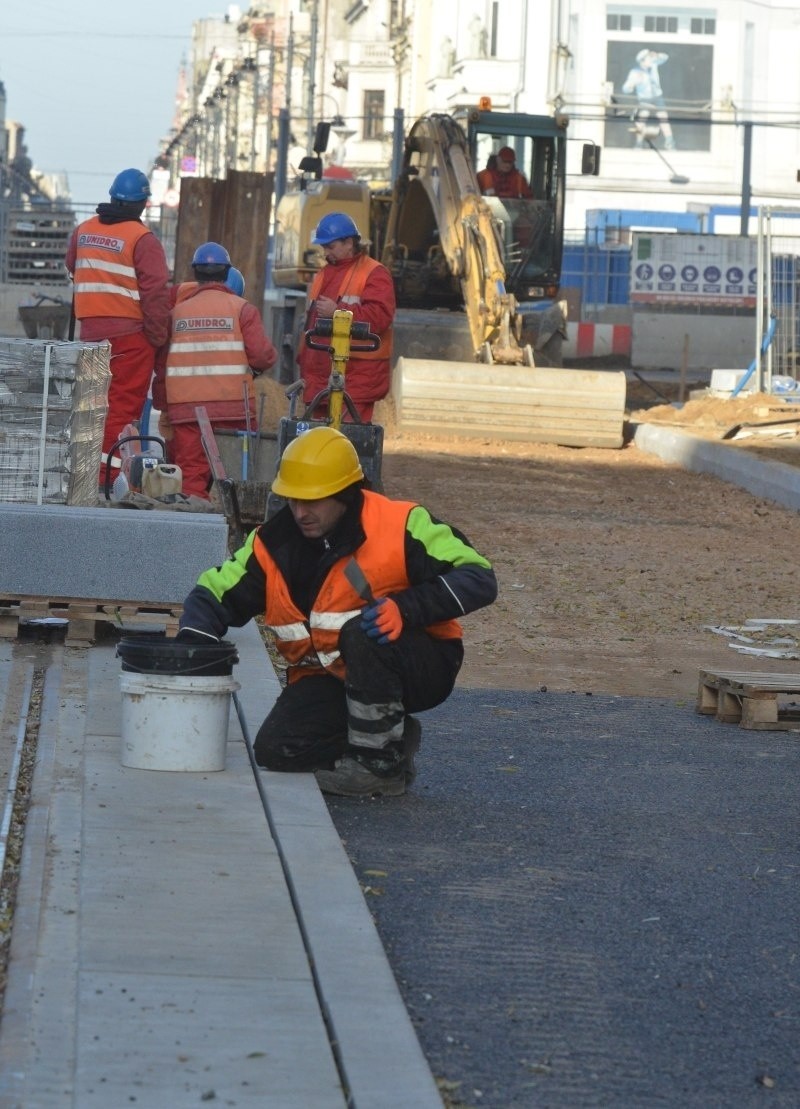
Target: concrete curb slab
<point>776,481</point>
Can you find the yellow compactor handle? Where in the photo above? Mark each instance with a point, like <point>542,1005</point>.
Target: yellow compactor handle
<point>340,354</point>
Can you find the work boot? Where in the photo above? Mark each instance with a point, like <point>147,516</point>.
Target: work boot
<point>412,737</point>
<point>360,777</point>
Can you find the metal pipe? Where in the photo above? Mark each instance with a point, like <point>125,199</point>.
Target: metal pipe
<point>760,294</point>
<point>397,143</point>
<point>283,154</point>
<point>254,129</point>
<point>312,76</point>
<point>747,153</point>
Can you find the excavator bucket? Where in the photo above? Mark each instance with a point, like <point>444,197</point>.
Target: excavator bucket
<point>572,408</point>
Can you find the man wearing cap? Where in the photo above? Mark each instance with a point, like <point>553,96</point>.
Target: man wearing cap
<point>502,178</point>
<point>361,655</point>
<point>352,281</point>
<point>121,295</point>
<point>644,81</point>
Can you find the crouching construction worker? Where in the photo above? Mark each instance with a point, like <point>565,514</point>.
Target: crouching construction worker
<point>356,669</point>
<point>217,343</point>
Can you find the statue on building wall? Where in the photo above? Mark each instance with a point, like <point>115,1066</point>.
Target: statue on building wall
<point>447,57</point>
<point>477,37</point>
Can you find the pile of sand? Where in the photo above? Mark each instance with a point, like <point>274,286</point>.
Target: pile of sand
<point>714,411</point>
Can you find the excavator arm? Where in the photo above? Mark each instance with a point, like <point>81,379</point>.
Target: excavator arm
<point>443,244</point>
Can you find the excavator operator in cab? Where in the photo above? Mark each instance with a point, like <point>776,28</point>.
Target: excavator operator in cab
<point>502,178</point>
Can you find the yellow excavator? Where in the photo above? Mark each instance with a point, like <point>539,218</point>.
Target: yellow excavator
<point>479,324</point>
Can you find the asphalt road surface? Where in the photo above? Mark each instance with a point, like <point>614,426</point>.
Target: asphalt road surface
<point>592,901</point>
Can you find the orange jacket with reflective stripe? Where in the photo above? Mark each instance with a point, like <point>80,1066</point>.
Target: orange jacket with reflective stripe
<point>105,276</point>
<point>310,644</point>
<point>184,290</point>
<point>207,362</point>
<point>350,295</point>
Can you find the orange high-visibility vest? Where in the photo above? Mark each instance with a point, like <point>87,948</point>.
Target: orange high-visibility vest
<point>185,289</point>
<point>105,276</point>
<point>310,644</point>
<point>350,295</point>
<point>207,360</point>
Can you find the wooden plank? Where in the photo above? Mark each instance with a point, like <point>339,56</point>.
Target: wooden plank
<point>195,215</point>
<point>85,618</point>
<point>745,680</point>
<point>749,699</point>
<point>245,227</point>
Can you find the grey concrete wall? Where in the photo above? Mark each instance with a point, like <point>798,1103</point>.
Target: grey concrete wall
<point>715,342</point>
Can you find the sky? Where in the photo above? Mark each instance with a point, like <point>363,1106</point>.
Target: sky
<point>94,81</point>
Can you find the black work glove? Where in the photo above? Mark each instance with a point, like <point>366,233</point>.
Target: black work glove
<point>192,635</point>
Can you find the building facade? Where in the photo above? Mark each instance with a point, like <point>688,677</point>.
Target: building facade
<point>694,106</point>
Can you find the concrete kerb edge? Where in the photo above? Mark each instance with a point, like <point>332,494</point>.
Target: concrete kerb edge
<point>359,997</point>
<point>17,1016</point>
<point>775,481</point>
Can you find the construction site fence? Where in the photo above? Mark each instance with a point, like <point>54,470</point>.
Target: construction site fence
<point>595,276</point>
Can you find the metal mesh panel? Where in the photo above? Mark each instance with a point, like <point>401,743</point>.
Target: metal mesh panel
<point>778,327</point>
<point>53,403</point>
<point>34,241</point>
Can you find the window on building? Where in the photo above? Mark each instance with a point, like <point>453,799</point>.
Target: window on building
<point>661,24</point>
<point>703,26</point>
<point>618,23</point>
<point>355,11</point>
<point>373,113</point>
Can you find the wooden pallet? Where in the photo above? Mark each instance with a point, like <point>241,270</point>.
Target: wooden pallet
<point>85,618</point>
<point>756,701</point>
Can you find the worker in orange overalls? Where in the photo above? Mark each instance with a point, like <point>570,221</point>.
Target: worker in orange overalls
<point>217,345</point>
<point>353,281</point>
<point>502,178</point>
<point>121,295</point>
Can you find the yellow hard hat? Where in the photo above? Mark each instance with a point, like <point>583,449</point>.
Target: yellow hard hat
<point>317,464</point>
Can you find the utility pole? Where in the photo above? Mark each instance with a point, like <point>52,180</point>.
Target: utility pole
<point>283,153</point>
<point>312,71</point>
<point>270,101</point>
<point>747,154</point>
<point>254,127</point>
<point>289,66</point>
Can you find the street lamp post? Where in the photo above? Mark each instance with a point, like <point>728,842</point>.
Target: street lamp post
<point>747,154</point>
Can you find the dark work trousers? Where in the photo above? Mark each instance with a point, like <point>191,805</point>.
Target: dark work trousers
<point>307,728</point>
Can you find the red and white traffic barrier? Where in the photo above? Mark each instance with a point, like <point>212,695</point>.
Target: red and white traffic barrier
<point>596,340</point>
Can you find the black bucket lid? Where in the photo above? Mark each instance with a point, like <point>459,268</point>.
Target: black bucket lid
<point>157,654</point>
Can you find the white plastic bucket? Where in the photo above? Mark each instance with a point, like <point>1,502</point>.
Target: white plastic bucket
<point>174,722</point>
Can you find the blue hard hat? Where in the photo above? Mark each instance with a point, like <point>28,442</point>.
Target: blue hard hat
<point>211,254</point>
<point>130,184</point>
<point>235,281</point>
<point>336,225</point>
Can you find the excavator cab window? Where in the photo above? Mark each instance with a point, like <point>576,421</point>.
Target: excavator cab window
<point>528,216</point>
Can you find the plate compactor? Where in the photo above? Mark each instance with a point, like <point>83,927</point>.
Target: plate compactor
<point>141,470</point>
<point>338,337</point>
